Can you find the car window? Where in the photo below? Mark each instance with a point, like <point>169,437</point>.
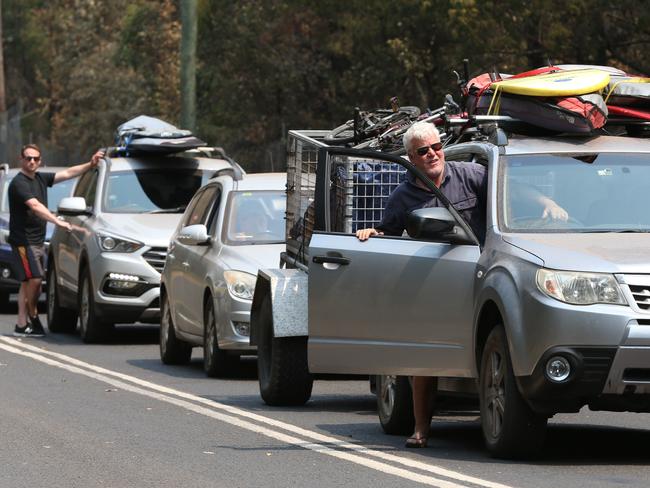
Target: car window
<point>58,191</point>
<point>87,187</point>
<point>359,192</point>
<point>5,193</point>
<point>199,209</point>
<point>255,217</point>
<point>599,192</point>
<point>214,211</point>
<point>152,190</point>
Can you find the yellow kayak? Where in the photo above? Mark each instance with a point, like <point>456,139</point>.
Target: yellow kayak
<point>558,84</point>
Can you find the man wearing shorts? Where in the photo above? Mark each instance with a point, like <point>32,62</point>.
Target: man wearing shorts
<point>28,216</point>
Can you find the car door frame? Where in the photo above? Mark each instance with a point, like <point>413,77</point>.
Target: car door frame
<point>332,345</point>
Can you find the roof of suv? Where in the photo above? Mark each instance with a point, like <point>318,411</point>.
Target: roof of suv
<point>598,144</point>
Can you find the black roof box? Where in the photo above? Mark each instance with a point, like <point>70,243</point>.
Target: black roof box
<point>145,134</point>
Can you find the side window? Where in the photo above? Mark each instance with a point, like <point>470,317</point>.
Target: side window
<point>200,206</point>
<point>87,187</point>
<point>213,215</point>
<point>359,192</point>
<point>82,187</point>
<point>92,188</point>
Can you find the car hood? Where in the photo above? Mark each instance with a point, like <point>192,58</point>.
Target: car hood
<point>606,252</point>
<point>153,230</point>
<point>251,258</point>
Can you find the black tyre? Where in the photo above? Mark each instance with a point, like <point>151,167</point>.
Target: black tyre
<point>91,328</point>
<point>395,404</point>
<point>510,428</point>
<point>172,350</point>
<point>281,364</point>
<point>59,319</point>
<point>216,362</point>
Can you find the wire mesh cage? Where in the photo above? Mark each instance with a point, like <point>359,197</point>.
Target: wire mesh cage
<point>358,191</point>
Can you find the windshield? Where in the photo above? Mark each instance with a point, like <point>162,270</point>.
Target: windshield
<point>255,217</point>
<point>601,193</point>
<point>152,190</point>
<point>54,194</point>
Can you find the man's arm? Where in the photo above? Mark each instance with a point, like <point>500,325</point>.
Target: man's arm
<point>551,210</point>
<point>44,213</point>
<point>74,171</point>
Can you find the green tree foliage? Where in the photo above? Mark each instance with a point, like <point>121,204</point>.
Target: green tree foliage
<point>81,67</point>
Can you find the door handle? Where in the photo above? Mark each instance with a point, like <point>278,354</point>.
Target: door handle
<point>331,259</point>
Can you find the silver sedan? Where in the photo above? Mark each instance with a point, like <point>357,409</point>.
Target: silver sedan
<point>232,227</point>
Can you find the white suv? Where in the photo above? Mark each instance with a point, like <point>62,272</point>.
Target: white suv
<point>107,270</point>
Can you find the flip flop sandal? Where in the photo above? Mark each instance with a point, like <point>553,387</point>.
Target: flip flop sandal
<point>416,442</point>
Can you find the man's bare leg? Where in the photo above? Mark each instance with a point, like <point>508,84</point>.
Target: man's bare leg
<point>422,409</point>
<point>33,293</point>
<point>22,304</point>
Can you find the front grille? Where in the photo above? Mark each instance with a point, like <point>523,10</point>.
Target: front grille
<point>156,258</point>
<point>641,296</point>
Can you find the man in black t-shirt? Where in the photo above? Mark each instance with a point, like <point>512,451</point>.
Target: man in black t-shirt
<point>28,216</point>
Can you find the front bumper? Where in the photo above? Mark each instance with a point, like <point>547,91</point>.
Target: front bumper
<point>604,378</point>
<point>141,304</point>
<point>236,316</point>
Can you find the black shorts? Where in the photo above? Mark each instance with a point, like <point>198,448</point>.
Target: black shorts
<point>29,261</point>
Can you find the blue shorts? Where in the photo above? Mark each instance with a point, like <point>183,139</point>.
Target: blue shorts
<point>29,261</point>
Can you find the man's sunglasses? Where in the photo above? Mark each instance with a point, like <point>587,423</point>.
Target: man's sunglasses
<point>436,146</point>
<point>32,158</point>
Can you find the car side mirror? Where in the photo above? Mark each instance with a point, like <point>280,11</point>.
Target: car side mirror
<point>436,224</point>
<point>194,235</point>
<point>73,206</point>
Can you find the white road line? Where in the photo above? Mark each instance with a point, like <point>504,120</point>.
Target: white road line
<point>105,375</point>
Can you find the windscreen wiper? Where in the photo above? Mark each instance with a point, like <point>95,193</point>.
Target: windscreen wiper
<point>169,210</point>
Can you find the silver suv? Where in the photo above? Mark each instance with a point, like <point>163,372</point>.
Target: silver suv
<point>544,317</point>
<point>107,270</point>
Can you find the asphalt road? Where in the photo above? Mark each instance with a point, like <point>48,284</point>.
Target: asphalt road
<point>112,415</point>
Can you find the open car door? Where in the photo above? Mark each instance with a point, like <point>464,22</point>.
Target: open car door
<point>389,305</point>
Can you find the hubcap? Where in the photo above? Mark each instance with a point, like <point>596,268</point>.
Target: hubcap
<point>85,305</point>
<point>164,327</point>
<point>495,393</point>
<point>387,387</point>
<point>51,295</point>
<point>209,338</point>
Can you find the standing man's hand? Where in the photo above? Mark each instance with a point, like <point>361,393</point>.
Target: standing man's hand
<point>64,225</point>
<point>94,161</point>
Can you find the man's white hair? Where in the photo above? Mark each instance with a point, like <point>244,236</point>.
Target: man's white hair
<point>419,130</point>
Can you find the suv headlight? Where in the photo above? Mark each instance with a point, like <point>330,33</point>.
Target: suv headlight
<point>240,284</point>
<point>111,243</point>
<point>580,288</point>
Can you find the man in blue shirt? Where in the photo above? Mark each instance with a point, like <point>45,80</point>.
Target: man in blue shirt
<point>465,186</point>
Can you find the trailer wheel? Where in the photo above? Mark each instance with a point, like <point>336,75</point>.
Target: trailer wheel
<point>284,377</point>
